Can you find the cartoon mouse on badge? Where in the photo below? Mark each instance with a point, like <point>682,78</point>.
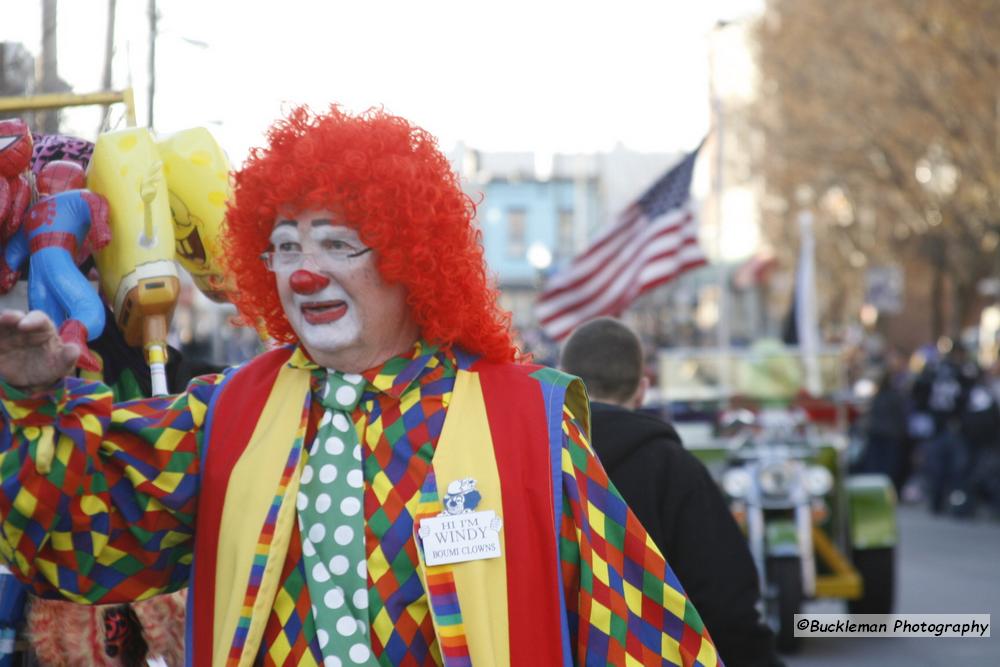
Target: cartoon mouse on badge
<point>461,497</point>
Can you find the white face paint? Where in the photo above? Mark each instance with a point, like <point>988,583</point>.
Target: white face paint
<point>355,322</point>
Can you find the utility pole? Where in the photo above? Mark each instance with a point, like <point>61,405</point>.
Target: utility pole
<point>49,122</point>
<point>152,61</point>
<point>109,52</point>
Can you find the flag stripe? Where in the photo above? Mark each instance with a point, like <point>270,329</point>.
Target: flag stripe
<point>605,247</point>
<point>604,275</point>
<point>659,249</point>
<point>653,240</point>
<point>672,264</point>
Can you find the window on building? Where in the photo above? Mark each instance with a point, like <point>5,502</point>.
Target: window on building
<point>517,243</point>
<point>565,233</point>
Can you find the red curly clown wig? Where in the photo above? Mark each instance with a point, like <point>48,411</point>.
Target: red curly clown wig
<point>388,179</point>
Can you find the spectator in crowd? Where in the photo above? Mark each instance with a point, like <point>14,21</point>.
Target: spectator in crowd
<point>670,491</point>
<point>941,391</point>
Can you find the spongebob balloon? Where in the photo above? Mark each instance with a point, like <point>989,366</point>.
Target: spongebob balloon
<point>197,173</point>
<point>167,202</point>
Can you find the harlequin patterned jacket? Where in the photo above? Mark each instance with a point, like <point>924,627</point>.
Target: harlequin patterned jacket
<point>146,496</point>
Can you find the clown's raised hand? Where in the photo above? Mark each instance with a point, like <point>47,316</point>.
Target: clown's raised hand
<point>32,355</point>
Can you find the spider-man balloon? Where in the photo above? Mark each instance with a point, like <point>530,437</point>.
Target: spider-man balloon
<point>58,232</point>
<point>15,188</point>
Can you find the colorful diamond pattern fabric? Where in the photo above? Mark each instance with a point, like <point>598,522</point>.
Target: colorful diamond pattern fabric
<point>402,425</point>
<point>625,604</point>
<point>70,544</point>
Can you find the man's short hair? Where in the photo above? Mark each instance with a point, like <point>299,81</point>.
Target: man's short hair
<point>607,356</point>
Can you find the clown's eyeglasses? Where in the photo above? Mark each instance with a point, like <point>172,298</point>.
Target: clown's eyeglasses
<point>293,260</point>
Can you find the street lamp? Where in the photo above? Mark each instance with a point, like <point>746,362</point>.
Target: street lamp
<point>539,256</point>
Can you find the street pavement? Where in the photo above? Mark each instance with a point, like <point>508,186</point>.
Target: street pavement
<point>945,566</point>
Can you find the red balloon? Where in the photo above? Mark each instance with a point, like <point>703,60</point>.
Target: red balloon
<point>60,176</point>
<point>15,147</point>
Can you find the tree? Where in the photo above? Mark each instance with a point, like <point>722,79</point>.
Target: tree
<point>885,118</point>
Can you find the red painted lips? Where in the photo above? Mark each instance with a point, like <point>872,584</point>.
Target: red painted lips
<point>323,312</point>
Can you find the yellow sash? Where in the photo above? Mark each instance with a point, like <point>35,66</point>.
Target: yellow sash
<point>466,450</point>
<point>249,497</point>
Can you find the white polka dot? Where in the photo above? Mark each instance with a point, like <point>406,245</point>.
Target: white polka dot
<point>355,478</point>
<point>302,501</point>
<point>328,473</point>
<point>323,638</point>
<point>339,564</point>
<point>353,378</point>
<point>350,506</point>
<point>343,535</point>
<point>308,548</point>
<point>359,653</point>
<point>334,598</point>
<point>362,627</point>
<point>323,503</point>
<point>332,661</point>
<point>340,422</point>
<point>317,533</point>
<point>314,447</point>
<point>363,570</point>
<point>357,452</point>
<point>360,598</point>
<point>307,474</point>
<point>347,395</point>
<point>346,626</point>
<point>327,416</point>
<point>320,573</point>
<point>314,611</point>
<point>334,445</point>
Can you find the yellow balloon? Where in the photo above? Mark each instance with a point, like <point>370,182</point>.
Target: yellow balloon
<point>198,182</point>
<point>137,268</point>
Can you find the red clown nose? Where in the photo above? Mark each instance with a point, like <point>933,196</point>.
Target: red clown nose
<point>307,282</point>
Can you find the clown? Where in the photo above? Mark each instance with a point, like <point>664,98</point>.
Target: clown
<point>290,493</point>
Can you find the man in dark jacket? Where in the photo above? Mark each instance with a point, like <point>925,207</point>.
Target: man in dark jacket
<point>670,492</point>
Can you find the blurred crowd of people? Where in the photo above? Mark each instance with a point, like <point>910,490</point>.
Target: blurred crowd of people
<point>933,426</point>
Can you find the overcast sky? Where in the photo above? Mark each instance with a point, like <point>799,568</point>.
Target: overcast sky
<point>544,75</point>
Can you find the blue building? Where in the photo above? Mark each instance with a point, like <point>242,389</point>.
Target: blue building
<point>532,226</point>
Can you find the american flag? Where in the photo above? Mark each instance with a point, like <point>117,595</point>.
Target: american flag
<point>653,241</point>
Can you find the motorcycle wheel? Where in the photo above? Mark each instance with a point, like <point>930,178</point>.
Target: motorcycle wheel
<point>877,568</point>
<point>785,575</point>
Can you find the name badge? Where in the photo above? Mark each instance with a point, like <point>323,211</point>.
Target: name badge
<point>460,533</point>
<point>454,539</point>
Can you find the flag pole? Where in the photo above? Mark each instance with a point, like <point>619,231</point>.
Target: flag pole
<point>722,325</point>
<point>806,314</point>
